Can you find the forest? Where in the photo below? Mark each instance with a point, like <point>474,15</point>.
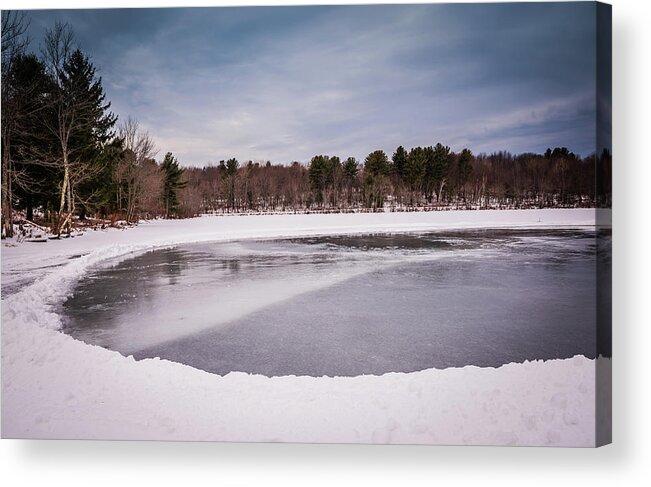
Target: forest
<point>68,159</point>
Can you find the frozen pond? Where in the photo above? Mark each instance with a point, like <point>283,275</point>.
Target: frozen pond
<point>349,305</point>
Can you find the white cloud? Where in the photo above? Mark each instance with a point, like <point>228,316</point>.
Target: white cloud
<point>336,84</point>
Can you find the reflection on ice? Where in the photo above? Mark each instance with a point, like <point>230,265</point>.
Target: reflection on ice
<point>347,305</point>
<point>166,294</point>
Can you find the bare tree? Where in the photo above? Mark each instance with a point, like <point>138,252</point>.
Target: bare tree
<point>151,203</point>
<point>131,172</point>
<point>14,42</point>
<point>77,113</point>
<point>56,51</point>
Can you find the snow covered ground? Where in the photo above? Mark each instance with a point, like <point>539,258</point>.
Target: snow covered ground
<point>56,387</point>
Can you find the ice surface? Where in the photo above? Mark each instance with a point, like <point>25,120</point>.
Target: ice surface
<point>348,305</point>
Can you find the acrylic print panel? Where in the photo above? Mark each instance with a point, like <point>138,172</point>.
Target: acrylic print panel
<point>348,224</point>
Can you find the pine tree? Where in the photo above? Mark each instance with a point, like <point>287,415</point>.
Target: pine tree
<point>91,141</point>
<point>376,187</point>
<point>377,163</point>
<point>318,173</point>
<point>464,168</point>
<point>415,170</point>
<point>400,161</point>
<point>230,169</point>
<point>350,169</point>
<point>172,174</point>
<point>24,140</point>
<point>440,164</point>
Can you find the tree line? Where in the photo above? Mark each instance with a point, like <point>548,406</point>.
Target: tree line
<point>66,158</point>
<point>432,177</point>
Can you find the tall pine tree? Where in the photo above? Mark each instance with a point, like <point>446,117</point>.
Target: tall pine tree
<point>400,161</point>
<point>91,140</point>
<point>172,174</point>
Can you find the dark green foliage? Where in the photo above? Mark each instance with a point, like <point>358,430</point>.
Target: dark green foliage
<point>400,161</point>
<point>376,183</point>
<point>335,164</point>
<point>414,171</point>
<point>437,171</point>
<point>100,190</point>
<point>90,144</point>
<point>377,163</point>
<point>559,152</point>
<point>318,170</point>
<point>350,168</point>
<point>27,88</point>
<point>230,170</point>
<point>326,175</point>
<point>464,166</point>
<point>231,167</point>
<point>80,83</point>
<point>172,174</point>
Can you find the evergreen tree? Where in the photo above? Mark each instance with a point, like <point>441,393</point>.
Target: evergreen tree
<point>350,168</point>
<point>92,141</point>
<point>400,161</point>
<point>377,163</point>
<point>429,169</point>
<point>333,170</point>
<point>172,174</point>
<point>464,169</point>
<point>415,169</point>
<point>376,187</point>
<point>230,168</point>
<point>318,173</point>
<point>441,158</point>
<point>80,82</point>
<point>27,87</point>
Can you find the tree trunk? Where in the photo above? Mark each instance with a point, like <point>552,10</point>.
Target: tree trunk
<point>7,203</point>
<point>64,201</point>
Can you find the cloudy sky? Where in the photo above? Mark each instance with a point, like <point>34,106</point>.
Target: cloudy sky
<point>286,83</point>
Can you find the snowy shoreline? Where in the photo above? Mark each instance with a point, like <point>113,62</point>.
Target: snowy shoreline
<point>25,258</point>
<point>56,387</point>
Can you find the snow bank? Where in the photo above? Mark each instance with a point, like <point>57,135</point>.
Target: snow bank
<point>56,387</point>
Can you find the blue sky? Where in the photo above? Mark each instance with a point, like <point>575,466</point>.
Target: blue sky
<point>286,83</point>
